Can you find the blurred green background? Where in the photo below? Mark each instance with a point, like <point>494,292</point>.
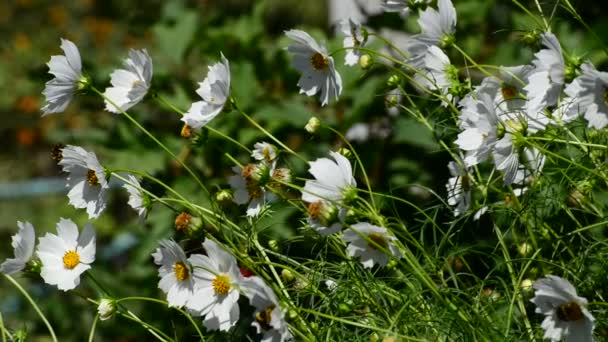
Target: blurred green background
<point>183,38</point>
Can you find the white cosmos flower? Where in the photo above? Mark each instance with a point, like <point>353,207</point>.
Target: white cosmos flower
<point>316,66</point>
<point>175,272</point>
<point>129,85</point>
<point>217,284</point>
<point>459,188</point>
<point>68,74</point>
<point>23,243</point>
<point>566,315</point>
<point>437,28</point>
<point>546,81</point>
<point>269,318</point>
<point>264,151</point>
<point>67,255</point>
<point>333,178</point>
<point>403,7</point>
<point>491,116</point>
<point>138,200</point>
<point>354,39</point>
<point>86,180</point>
<point>214,91</point>
<point>370,243</point>
<point>332,184</point>
<point>248,189</point>
<point>587,95</point>
<point>436,72</point>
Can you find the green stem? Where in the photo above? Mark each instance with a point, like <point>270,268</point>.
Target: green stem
<point>93,326</point>
<point>27,296</point>
<point>268,134</point>
<point>151,136</point>
<point>213,130</point>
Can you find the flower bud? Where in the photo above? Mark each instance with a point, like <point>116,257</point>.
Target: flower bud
<point>224,196</point>
<point>274,245</point>
<point>526,285</point>
<point>366,61</point>
<point>393,81</point>
<point>524,249</point>
<point>287,276</point>
<point>106,308</point>
<point>186,223</point>
<point>312,125</point>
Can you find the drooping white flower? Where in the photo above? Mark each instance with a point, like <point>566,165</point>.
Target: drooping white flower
<point>333,178</point>
<point>545,82</point>
<point>23,243</point>
<point>264,151</point>
<point>566,315</point>
<point>68,75</point>
<point>437,28</point>
<point>175,272</point>
<point>459,188</point>
<point>354,39</point>
<point>217,283</point>
<point>248,185</point>
<point>435,72</point>
<point>403,7</point>
<point>370,244</point>
<point>587,95</point>
<point>316,66</point>
<point>138,200</point>
<point>269,318</point>
<point>86,180</point>
<point>333,183</point>
<point>491,116</point>
<point>67,255</point>
<point>131,84</point>
<point>214,90</point>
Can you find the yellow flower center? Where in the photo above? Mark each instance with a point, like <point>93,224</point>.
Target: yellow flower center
<point>92,178</point>
<point>264,317</point>
<point>465,181</point>
<point>570,312</point>
<point>182,273</point>
<point>266,153</point>
<point>253,189</point>
<point>182,220</point>
<point>221,284</point>
<point>71,259</point>
<point>319,62</point>
<point>57,152</point>
<point>508,91</point>
<point>315,210</point>
<point>378,240</point>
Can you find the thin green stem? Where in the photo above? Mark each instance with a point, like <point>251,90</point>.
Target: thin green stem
<point>93,326</point>
<point>33,303</point>
<point>268,134</point>
<point>213,130</point>
<point>151,136</point>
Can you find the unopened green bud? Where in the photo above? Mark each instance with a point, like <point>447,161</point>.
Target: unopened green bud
<point>287,276</point>
<point>224,196</point>
<point>531,38</point>
<point>292,315</point>
<point>526,285</point>
<point>344,308</point>
<point>366,61</point>
<point>345,152</point>
<point>374,337</point>
<point>393,81</point>
<point>312,125</point>
<point>274,245</point>
<point>524,249</point>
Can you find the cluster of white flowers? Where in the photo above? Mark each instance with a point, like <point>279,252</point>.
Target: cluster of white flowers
<point>210,286</point>
<point>61,258</point>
